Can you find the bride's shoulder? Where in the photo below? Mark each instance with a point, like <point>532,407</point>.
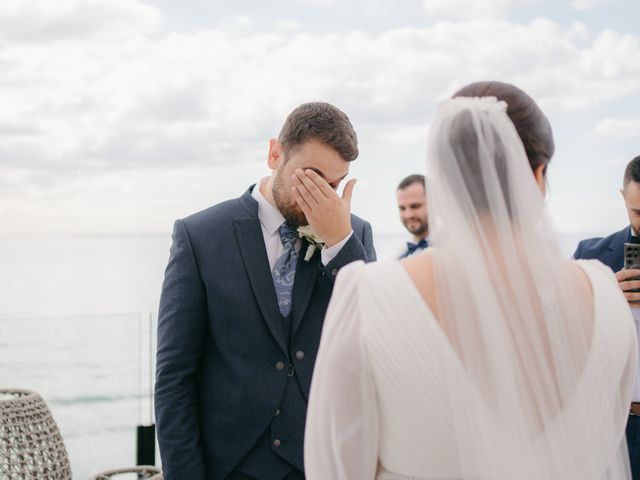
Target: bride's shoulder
<point>359,267</point>
<point>421,261</point>
<point>597,280</point>
<point>595,267</point>
<point>593,272</point>
<point>362,274</point>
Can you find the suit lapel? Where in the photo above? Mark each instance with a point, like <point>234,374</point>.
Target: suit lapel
<point>254,254</point>
<point>306,275</point>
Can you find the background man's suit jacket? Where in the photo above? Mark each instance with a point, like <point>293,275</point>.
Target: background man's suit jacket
<point>609,250</point>
<point>219,374</point>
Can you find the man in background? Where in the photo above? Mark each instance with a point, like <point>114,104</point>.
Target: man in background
<point>610,251</point>
<point>412,204</point>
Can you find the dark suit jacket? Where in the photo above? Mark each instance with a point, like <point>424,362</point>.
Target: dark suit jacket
<point>221,344</point>
<point>609,250</point>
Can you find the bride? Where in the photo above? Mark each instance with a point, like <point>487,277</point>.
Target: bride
<point>490,356</point>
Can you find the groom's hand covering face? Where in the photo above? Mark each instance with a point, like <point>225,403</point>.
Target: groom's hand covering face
<point>328,214</point>
<point>304,188</point>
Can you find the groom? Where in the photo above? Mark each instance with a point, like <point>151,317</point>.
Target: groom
<point>242,308</point>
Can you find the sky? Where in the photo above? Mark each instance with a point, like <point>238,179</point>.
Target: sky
<point>119,116</point>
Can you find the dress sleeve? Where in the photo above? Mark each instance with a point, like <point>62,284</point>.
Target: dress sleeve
<point>341,440</point>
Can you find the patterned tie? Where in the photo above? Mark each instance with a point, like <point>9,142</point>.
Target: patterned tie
<point>284,270</point>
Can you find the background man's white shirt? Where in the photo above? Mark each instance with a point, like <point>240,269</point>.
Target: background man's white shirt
<point>635,397</point>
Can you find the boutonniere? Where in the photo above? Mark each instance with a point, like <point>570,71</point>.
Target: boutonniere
<point>315,242</point>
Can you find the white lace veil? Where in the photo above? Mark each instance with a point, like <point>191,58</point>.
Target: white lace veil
<point>541,403</point>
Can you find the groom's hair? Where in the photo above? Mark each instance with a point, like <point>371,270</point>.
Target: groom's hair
<point>321,122</point>
<point>632,172</point>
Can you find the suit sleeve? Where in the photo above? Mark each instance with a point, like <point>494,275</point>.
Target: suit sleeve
<point>181,333</point>
<point>358,247</point>
<point>578,253</point>
<point>367,242</point>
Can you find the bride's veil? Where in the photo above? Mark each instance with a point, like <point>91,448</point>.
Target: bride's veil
<point>537,393</point>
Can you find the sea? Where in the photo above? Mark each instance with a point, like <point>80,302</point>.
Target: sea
<point>78,317</point>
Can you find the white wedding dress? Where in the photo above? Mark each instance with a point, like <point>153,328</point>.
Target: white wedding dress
<point>379,399</point>
<point>526,369</point>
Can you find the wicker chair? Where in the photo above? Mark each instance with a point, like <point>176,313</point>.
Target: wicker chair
<point>144,472</point>
<point>31,447</point>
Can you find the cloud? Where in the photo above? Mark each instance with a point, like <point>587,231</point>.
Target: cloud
<point>467,8</point>
<point>44,20</point>
<point>214,97</point>
<point>618,127</point>
<point>112,102</point>
<point>359,4</point>
<point>288,26</point>
<point>585,5</point>
<point>234,25</point>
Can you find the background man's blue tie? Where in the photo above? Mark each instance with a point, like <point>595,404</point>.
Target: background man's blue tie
<point>412,247</point>
<point>284,271</point>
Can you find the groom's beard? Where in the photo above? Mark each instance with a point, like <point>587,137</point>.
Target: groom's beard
<point>286,204</point>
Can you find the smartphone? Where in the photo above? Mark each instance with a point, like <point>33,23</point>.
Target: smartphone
<point>631,255</point>
<point>632,259</point>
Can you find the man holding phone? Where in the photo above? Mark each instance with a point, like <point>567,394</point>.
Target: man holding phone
<point>611,251</point>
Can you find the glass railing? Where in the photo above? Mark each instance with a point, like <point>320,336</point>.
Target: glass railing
<point>95,373</point>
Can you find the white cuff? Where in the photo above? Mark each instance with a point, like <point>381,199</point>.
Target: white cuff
<point>329,253</point>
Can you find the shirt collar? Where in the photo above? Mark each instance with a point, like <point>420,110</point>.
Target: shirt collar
<point>633,232</point>
<point>269,216</point>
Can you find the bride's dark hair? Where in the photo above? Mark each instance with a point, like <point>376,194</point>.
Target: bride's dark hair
<point>531,124</point>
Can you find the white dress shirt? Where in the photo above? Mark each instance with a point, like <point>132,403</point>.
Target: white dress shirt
<point>635,396</point>
<point>271,219</point>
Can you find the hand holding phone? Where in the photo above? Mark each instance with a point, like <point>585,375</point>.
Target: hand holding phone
<point>631,256</point>
<point>629,277</point>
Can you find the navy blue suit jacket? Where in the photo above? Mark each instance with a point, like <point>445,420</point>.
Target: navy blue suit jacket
<point>221,338</point>
<point>609,250</point>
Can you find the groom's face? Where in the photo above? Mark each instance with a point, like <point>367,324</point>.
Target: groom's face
<point>314,155</point>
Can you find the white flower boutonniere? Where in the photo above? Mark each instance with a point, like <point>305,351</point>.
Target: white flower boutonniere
<point>315,242</point>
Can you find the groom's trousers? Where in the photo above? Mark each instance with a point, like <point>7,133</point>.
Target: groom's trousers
<point>293,475</point>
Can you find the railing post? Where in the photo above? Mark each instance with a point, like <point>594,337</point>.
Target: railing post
<point>146,434</point>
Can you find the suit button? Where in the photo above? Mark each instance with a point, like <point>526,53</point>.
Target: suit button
<point>277,412</point>
<point>299,354</point>
<point>334,272</point>
<point>277,442</point>
<point>279,366</point>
